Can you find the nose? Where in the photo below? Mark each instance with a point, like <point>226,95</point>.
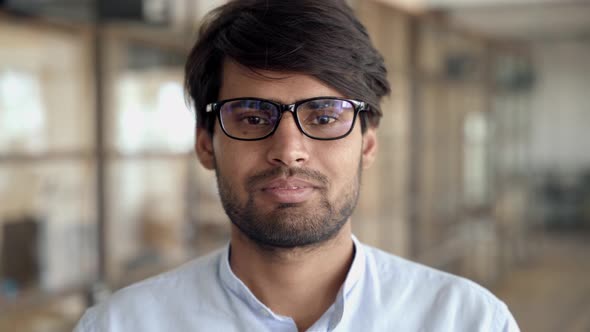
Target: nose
<point>287,146</point>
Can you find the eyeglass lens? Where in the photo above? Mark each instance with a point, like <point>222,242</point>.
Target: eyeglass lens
<point>319,118</point>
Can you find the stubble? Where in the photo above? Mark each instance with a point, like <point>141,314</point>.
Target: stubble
<point>289,225</point>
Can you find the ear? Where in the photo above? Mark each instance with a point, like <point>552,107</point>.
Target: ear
<point>369,147</point>
<point>204,148</point>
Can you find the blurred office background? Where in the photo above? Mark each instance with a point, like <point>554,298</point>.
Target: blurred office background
<point>484,166</point>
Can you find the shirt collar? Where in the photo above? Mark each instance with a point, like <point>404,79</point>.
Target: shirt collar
<point>357,268</point>
<point>237,287</point>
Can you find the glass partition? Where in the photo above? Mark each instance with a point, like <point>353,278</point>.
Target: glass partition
<point>158,199</point>
<point>48,232</point>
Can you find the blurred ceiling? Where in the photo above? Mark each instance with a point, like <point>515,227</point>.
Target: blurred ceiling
<point>528,20</point>
<point>531,20</point>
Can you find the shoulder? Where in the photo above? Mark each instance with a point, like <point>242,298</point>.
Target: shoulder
<point>169,292</point>
<point>397,270</point>
<point>437,295</point>
<point>193,277</point>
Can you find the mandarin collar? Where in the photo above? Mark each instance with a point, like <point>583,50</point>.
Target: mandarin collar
<point>231,282</point>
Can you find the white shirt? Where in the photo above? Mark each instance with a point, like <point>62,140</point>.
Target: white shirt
<point>381,292</point>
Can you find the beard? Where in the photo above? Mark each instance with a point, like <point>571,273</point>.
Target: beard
<point>289,225</point>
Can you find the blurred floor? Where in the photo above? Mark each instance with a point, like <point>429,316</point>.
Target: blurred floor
<point>551,292</point>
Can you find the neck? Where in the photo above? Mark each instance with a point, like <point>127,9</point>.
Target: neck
<point>301,283</point>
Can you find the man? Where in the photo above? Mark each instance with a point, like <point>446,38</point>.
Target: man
<point>287,98</point>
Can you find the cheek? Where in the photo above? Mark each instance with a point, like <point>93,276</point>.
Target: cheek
<point>341,163</point>
<point>234,161</point>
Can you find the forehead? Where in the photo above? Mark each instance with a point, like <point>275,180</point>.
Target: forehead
<point>239,81</point>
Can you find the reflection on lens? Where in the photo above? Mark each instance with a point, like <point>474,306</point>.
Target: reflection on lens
<point>248,119</point>
<point>326,118</point>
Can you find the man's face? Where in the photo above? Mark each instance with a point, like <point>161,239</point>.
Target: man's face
<point>287,190</point>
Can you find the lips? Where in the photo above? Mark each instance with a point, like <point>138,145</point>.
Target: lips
<point>290,190</point>
<point>292,183</point>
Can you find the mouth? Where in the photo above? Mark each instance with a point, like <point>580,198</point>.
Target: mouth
<point>289,190</point>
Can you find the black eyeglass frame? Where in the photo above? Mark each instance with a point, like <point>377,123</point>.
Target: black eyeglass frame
<point>359,106</point>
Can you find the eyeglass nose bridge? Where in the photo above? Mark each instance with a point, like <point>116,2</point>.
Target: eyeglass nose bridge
<point>288,108</point>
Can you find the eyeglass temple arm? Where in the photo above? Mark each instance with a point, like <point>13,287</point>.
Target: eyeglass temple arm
<point>210,107</point>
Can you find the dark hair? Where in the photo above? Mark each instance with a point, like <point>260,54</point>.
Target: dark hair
<point>320,38</point>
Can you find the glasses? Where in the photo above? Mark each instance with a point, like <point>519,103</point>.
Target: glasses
<point>322,118</point>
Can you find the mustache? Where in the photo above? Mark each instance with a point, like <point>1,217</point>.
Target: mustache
<point>306,174</point>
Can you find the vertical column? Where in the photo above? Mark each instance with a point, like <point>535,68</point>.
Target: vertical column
<point>414,141</point>
<point>101,180</point>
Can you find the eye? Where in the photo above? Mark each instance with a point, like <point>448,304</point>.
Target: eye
<point>255,120</point>
<point>320,118</point>
<point>324,119</point>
